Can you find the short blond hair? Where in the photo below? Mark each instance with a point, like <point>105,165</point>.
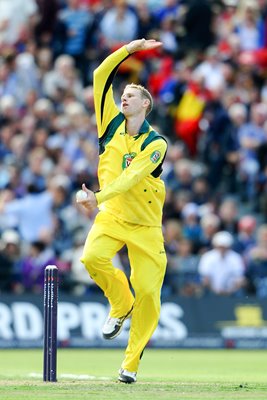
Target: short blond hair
<point>145,94</point>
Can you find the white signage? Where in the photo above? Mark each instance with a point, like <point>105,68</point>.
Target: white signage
<point>24,321</point>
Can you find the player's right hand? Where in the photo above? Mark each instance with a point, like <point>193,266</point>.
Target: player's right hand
<point>90,202</point>
<point>142,44</point>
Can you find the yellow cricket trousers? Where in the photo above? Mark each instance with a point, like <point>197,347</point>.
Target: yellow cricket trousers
<point>148,264</point>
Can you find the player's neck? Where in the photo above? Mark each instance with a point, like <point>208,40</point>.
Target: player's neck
<point>133,124</point>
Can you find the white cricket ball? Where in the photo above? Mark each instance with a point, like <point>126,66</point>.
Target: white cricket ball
<point>81,195</point>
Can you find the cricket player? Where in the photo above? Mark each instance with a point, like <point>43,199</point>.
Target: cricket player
<point>130,202</point>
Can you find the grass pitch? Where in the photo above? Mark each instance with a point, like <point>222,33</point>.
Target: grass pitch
<point>163,374</point>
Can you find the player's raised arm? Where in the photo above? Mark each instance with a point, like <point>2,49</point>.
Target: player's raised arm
<point>105,107</point>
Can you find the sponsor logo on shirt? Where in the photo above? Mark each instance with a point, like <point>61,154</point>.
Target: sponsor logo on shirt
<point>155,156</point>
<point>127,159</point>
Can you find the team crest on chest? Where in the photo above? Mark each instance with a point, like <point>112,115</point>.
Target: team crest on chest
<point>155,156</point>
<point>127,159</point>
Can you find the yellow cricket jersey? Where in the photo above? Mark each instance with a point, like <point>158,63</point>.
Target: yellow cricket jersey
<point>129,166</point>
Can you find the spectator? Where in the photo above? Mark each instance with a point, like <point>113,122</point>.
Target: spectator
<point>245,238</point>
<point>33,174</point>
<point>228,213</point>
<point>209,224</point>
<point>238,116</point>
<point>33,223</point>
<point>256,273</point>
<point>33,265</point>
<point>181,175</point>
<point>17,21</point>
<point>168,35</point>
<point>218,142</point>
<point>172,235</point>
<point>77,23</point>
<point>249,28</point>
<point>45,26</point>
<point>119,25</point>
<point>62,79</point>
<point>211,70</point>
<point>222,269</point>
<point>146,20</point>
<point>182,271</point>
<point>10,254</point>
<point>191,228</point>
<point>201,190</point>
<point>251,136</point>
<point>169,9</point>
<point>43,110</point>
<point>198,26</point>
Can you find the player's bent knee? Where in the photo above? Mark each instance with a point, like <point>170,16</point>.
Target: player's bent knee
<point>90,260</point>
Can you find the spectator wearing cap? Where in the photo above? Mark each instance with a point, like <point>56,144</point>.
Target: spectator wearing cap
<point>222,269</point>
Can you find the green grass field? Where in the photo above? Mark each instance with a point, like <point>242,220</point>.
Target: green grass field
<point>163,374</point>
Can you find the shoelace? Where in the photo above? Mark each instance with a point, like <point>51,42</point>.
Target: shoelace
<point>112,321</point>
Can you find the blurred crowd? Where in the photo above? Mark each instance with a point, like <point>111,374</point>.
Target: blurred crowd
<point>209,83</point>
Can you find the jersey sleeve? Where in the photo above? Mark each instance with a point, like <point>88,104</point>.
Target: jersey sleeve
<point>141,166</point>
<point>105,106</point>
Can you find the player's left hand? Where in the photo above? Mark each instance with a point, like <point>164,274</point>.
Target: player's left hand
<point>90,203</point>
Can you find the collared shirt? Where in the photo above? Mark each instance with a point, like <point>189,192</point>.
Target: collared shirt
<point>129,166</point>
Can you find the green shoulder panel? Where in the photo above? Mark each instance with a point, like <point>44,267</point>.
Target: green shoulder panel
<point>153,135</point>
<point>110,132</point>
